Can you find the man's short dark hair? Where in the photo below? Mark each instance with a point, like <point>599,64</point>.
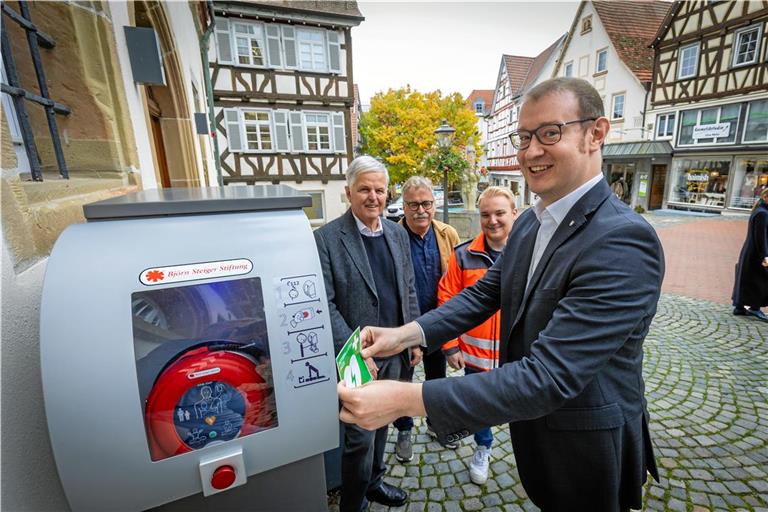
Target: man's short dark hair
<point>590,103</point>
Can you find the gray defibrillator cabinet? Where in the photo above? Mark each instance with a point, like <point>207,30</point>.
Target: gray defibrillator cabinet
<point>187,356</point>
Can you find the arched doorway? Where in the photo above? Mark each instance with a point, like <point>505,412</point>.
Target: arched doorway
<point>167,113</point>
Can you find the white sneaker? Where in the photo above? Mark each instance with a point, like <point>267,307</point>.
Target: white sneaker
<point>478,468</point>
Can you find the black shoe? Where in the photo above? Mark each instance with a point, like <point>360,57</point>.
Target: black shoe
<point>758,314</point>
<point>739,311</point>
<point>388,495</point>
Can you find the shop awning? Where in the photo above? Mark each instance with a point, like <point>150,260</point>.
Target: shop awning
<point>637,149</point>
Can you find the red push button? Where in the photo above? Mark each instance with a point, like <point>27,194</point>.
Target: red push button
<point>223,477</point>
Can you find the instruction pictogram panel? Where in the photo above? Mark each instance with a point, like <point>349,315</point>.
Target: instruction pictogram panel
<point>301,325</point>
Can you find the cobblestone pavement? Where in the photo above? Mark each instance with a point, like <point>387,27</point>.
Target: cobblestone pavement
<point>706,377</point>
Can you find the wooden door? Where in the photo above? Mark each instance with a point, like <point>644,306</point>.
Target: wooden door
<point>658,182</point>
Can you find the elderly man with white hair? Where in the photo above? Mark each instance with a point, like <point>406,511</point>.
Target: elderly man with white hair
<point>369,280</point>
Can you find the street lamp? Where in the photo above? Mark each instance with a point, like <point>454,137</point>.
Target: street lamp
<point>444,136</point>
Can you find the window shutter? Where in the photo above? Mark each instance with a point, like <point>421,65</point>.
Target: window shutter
<point>223,41</point>
<point>339,141</point>
<point>289,47</point>
<point>281,130</point>
<point>334,51</point>
<point>297,131</point>
<point>232,122</point>
<point>273,46</point>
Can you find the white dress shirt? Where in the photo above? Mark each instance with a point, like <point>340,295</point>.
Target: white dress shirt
<point>366,231</point>
<point>551,217</point>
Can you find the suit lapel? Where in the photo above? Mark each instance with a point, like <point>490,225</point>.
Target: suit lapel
<point>520,263</point>
<point>572,222</point>
<point>352,241</point>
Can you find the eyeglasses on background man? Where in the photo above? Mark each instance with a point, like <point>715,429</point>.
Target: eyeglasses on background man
<point>414,205</point>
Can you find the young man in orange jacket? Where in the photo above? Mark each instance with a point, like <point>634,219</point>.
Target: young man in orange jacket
<point>477,350</point>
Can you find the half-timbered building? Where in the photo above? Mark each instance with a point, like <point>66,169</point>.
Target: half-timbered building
<point>710,100</point>
<point>480,100</point>
<point>283,96</point>
<point>516,76</point>
<point>608,46</point>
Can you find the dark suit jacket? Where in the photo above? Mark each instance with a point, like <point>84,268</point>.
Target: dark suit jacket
<point>571,383</point>
<point>349,284</point>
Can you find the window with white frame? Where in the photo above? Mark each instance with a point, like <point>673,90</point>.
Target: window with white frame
<point>311,50</point>
<point>601,62</point>
<point>688,61</point>
<point>479,107</point>
<point>568,69</point>
<point>718,122</point>
<point>665,125</point>
<point>277,46</point>
<point>318,127</point>
<point>746,45</point>
<point>617,109</point>
<point>258,130</point>
<point>283,131</point>
<point>316,212</point>
<point>756,127</point>
<point>249,44</point>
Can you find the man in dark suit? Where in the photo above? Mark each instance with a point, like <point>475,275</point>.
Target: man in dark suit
<point>577,286</point>
<point>369,279</point>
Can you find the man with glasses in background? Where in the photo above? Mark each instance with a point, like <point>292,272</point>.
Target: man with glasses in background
<point>432,243</point>
<point>577,285</point>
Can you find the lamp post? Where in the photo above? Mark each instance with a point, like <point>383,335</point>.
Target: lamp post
<point>444,136</point>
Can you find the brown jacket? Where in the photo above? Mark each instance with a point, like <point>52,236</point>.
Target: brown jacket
<point>447,239</point>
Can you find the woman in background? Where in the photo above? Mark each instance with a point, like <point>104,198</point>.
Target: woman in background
<point>751,286</point>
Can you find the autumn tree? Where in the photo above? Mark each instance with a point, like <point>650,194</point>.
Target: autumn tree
<point>400,129</point>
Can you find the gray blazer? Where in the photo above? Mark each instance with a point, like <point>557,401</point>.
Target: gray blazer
<point>349,284</point>
<point>571,384</point>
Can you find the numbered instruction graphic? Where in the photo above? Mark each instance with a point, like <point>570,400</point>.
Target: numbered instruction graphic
<point>301,323</point>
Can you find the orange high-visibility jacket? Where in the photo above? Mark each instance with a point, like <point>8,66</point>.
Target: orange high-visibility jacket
<point>480,345</point>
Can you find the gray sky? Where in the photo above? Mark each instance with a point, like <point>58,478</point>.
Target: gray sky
<point>451,46</point>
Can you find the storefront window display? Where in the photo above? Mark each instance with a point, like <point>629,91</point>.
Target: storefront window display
<point>699,182</point>
<point>620,178</point>
<point>749,179</point>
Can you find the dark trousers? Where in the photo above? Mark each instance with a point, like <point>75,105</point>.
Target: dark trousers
<point>434,368</point>
<point>362,463</point>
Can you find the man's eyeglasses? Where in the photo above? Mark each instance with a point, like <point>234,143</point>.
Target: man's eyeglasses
<point>414,205</point>
<point>546,134</point>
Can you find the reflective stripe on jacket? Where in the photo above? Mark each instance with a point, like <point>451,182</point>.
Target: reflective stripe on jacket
<point>480,345</point>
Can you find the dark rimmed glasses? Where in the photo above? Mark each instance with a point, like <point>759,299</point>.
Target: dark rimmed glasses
<point>546,134</point>
<point>414,205</point>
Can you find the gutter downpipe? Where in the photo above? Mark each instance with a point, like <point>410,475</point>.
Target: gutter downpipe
<point>204,41</point>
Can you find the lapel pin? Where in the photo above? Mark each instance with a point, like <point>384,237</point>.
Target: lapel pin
<point>572,223</point>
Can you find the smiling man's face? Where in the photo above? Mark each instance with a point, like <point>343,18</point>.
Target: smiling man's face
<point>367,197</point>
<point>553,171</point>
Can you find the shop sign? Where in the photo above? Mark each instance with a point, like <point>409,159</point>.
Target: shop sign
<point>711,131</point>
<point>697,176</point>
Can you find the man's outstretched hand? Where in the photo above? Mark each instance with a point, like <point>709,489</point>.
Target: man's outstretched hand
<point>384,342</point>
<point>379,403</point>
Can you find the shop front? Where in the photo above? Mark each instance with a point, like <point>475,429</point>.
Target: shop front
<point>721,157</point>
<point>717,182</point>
<point>634,170</point>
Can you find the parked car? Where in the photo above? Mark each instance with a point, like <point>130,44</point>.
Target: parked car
<point>395,210</point>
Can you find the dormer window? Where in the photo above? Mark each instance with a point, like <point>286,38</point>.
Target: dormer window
<point>586,24</point>
<point>479,107</point>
